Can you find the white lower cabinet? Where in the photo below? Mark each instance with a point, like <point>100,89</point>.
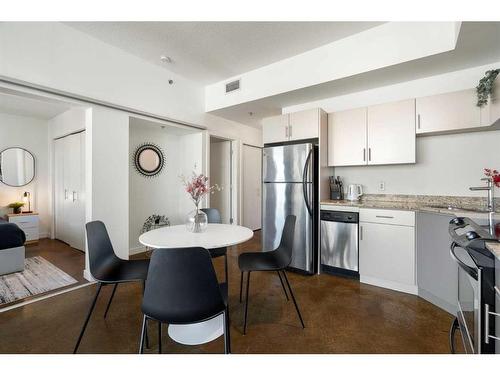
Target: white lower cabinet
<point>387,249</point>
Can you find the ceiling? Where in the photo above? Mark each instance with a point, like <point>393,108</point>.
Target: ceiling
<point>207,52</point>
<point>22,106</point>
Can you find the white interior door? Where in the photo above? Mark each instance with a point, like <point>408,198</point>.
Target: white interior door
<point>220,174</point>
<point>252,185</point>
<point>59,193</point>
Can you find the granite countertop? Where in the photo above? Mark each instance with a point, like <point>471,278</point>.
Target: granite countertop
<point>469,206</point>
<point>494,247</point>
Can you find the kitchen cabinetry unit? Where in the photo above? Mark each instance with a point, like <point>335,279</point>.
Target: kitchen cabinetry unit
<point>437,272</point>
<point>381,134</point>
<point>293,126</point>
<point>28,223</point>
<point>491,111</point>
<point>391,133</point>
<point>347,137</point>
<point>387,249</point>
<point>448,112</point>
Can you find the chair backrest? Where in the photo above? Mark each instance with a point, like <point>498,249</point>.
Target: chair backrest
<point>182,286</point>
<point>285,247</point>
<point>102,257</point>
<point>213,215</point>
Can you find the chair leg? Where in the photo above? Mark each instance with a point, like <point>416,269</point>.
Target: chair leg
<point>110,300</point>
<point>282,285</point>
<point>226,271</point>
<point>146,332</point>
<point>143,334</point>
<point>293,299</point>
<point>246,304</point>
<point>227,332</point>
<point>241,285</point>
<point>99,286</point>
<point>159,337</point>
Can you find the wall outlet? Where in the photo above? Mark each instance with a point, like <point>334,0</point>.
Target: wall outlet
<point>381,185</point>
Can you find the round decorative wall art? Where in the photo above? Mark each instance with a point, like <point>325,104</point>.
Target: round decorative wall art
<point>149,160</point>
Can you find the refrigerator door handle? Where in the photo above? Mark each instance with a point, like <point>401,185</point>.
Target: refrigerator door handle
<point>304,181</point>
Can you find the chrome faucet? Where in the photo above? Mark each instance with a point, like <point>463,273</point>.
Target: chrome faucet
<point>490,188</point>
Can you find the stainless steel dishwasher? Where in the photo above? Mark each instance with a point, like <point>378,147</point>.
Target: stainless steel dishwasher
<point>339,243</point>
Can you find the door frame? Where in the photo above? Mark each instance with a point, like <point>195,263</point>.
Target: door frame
<point>235,175</point>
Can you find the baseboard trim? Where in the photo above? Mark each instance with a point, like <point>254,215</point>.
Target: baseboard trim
<point>438,302</point>
<point>399,287</point>
<point>137,250</point>
<point>88,276</point>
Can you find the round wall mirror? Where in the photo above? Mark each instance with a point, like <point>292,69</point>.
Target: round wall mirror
<point>149,160</point>
<point>17,166</point>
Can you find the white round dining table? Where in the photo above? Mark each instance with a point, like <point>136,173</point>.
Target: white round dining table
<point>215,236</point>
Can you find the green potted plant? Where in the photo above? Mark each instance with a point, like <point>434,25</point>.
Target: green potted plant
<point>16,206</point>
<point>485,87</point>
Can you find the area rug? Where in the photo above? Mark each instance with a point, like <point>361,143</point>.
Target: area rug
<point>39,276</point>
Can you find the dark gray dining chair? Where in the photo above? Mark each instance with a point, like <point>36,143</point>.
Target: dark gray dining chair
<point>276,261</point>
<point>107,269</point>
<point>182,288</point>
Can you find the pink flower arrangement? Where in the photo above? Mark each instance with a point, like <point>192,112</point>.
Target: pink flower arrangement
<point>197,186</point>
<point>494,175</point>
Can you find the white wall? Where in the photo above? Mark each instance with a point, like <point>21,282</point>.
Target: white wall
<point>30,134</point>
<point>220,174</point>
<point>446,164</point>
<point>159,194</point>
<point>108,171</point>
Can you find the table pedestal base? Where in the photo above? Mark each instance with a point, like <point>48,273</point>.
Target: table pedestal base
<point>198,333</point>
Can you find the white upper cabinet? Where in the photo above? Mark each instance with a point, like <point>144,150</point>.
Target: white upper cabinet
<point>347,137</point>
<point>304,124</point>
<point>491,112</point>
<point>391,133</point>
<point>292,127</point>
<point>448,112</point>
<point>275,129</point>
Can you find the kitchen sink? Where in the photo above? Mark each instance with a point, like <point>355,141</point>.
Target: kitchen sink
<point>454,208</point>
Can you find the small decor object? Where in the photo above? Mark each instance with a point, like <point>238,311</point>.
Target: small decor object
<point>27,199</point>
<point>197,187</point>
<point>149,160</point>
<point>494,175</point>
<point>16,206</point>
<point>485,87</point>
<point>155,222</point>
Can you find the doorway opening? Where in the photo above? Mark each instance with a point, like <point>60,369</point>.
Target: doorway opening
<point>221,174</point>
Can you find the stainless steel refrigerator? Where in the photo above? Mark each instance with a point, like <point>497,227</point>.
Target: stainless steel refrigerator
<point>289,176</point>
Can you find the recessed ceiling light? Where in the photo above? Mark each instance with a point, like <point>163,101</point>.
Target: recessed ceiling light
<point>165,59</point>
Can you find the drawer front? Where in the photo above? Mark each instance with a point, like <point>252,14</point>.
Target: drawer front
<point>395,217</point>
<point>329,207</point>
<point>31,234</point>
<point>24,220</point>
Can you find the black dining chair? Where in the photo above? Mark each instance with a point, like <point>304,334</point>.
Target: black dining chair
<point>107,269</point>
<point>276,260</point>
<point>213,216</point>
<point>182,288</point>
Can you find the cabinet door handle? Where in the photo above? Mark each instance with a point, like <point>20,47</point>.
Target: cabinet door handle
<point>290,131</point>
<point>65,194</point>
<point>418,121</point>
<point>364,154</point>
<point>385,217</point>
<point>369,154</point>
<point>75,196</point>
<point>286,131</point>
<point>361,233</point>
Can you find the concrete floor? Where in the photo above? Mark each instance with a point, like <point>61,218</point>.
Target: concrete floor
<point>341,316</point>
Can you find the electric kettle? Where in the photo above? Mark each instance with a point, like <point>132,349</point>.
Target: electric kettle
<point>354,192</point>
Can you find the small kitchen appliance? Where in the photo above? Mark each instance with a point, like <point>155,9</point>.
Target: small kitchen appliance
<point>354,192</point>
